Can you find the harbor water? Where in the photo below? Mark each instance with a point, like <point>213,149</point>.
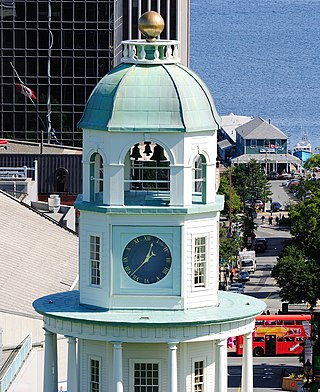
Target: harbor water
<point>261,58</point>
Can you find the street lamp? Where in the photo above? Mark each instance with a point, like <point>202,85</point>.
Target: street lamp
<point>307,368</point>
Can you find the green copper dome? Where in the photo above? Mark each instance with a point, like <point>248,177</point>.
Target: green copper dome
<point>153,98</point>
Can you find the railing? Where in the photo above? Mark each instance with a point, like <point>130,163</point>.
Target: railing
<point>9,374</point>
<point>143,52</point>
<point>13,173</point>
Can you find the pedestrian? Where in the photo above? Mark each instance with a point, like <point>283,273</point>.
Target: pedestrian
<point>268,311</point>
<point>270,220</point>
<point>262,219</point>
<point>277,220</point>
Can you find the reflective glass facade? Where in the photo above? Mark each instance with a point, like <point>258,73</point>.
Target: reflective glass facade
<point>63,56</point>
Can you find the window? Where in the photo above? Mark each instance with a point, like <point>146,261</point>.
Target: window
<point>253,143</point>
<point>199,179</point>
<point>95,260</point>
<point>61,180</point>
<point>96,177</point>
<point>94,375</point>
<point>288,322</point>
<point>198,381</point>
<point>200,262</point>
<point>147,175</point>
<point>146,377</point>
<point>267,143</point>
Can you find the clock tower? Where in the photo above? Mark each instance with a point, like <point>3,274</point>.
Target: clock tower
<point>148,315</point>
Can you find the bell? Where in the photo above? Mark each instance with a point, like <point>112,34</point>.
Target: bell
<point>147,149</point>
<point>158,154</point>
<point>136,152</point>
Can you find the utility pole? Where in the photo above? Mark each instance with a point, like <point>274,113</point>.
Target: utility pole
<point>230,201</point>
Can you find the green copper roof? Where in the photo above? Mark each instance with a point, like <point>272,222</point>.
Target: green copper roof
<point>232,307</point>
<point>153,98</point>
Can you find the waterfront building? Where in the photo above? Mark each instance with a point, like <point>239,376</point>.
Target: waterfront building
<point>260,140</point>
<point>60,50</point>
<point>148,313</point>
<point>227,136</point>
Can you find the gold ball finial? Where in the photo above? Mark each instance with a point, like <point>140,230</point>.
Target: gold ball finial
<point>151,25</point>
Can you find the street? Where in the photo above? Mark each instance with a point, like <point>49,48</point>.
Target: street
<point>267,370</point>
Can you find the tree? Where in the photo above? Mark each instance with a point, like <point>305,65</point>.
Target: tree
<point>247,227</point>
<point>297,276</point>
<point>224,189</point>
<point>250,181</point>
<point>228,247</point>
<point>298,268</point>
<point>312,162</point>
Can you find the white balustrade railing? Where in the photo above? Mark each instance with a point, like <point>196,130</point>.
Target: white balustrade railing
<point>143,52</point>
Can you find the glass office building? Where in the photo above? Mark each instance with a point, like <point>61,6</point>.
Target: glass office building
<point>60,50</point>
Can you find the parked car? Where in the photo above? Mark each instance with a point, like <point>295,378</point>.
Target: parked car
<point>276,206</point>
<point>285,183</point>
<point>243,277</point>
<point>259,205</point>
<point>260,244</point>
<point>293,184</point>
<point>237,287</point>
<point>234,290</point>
<point>273,175</point>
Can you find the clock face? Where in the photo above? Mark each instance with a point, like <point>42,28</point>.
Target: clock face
<point>146,259</point>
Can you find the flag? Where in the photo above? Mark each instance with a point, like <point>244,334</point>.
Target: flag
<point>26,91</point>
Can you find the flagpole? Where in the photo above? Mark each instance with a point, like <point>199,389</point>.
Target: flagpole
<point>50,44</point>
<point>28,95</point>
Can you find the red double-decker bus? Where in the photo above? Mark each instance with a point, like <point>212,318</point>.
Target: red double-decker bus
<point>278,335</point>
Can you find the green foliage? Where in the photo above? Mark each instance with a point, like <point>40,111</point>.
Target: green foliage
<point>228,248</point>
<point>247,227</point>
<point>250,181</point>
<point>312,162</point>
<point>297,276</point>
<point>224,189</point>
<point>298,268</point>
<point>305,226</point>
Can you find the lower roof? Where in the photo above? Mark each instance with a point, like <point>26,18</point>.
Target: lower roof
<point>263,158</point>
<point>232,307</point>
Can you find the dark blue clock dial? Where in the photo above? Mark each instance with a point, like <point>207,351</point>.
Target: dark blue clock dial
<point>146,259</point>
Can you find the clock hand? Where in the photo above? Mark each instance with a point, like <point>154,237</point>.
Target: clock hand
<point>146,259</point>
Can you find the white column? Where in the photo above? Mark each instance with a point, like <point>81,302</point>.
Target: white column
<point>50,379</point>
<point>72,365</point>
<point>221,378</point>
<point>117,366</point>
<point>247,364</point>
<point>172,368</point>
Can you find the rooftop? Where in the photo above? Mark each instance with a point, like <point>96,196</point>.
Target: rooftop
<point>258,128</point>
<point>40,257</point>
<point>25,147</point>
<point>232,307</point>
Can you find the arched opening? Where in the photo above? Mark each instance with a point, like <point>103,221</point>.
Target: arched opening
<point>61,180</point>
<point>199,180</point>
<point>147,175</point>
<point>96,178</point>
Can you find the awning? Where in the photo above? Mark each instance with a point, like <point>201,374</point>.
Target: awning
<point>266,158</point>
